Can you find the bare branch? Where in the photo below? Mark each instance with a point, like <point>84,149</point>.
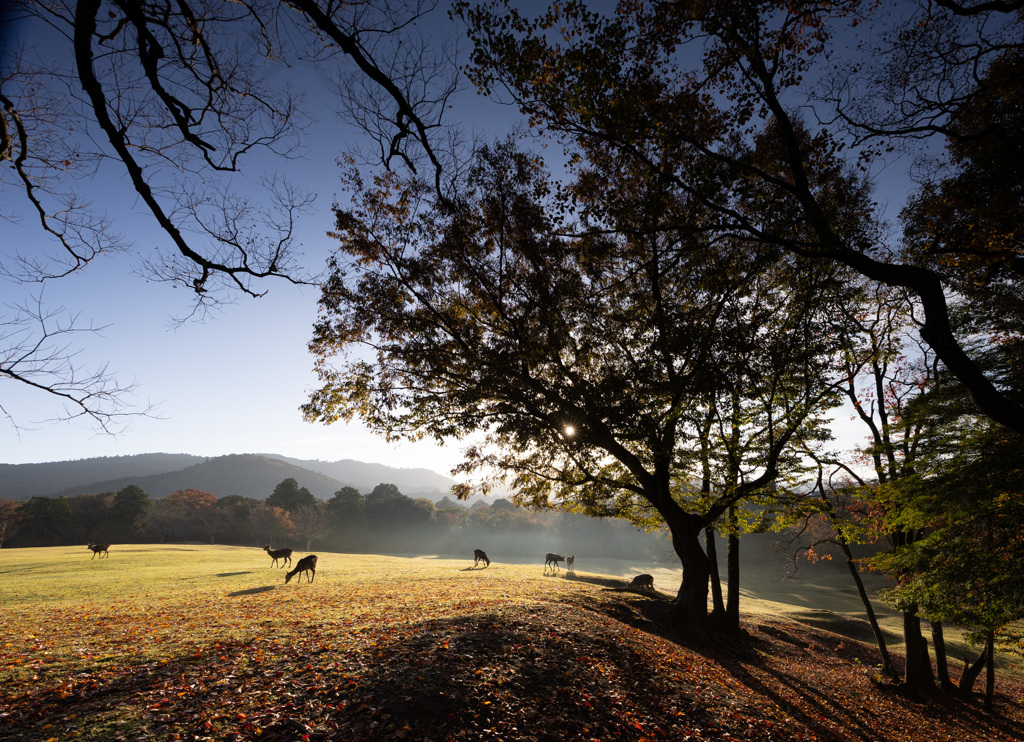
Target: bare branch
<point>37,352</point>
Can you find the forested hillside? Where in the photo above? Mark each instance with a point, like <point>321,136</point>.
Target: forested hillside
<point>21,481</point>
<point>249,475</point>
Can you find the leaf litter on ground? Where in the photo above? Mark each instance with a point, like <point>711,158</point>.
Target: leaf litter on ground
<point>423,657</point>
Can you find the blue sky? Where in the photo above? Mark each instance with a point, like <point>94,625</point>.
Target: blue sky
<point>231,384</point>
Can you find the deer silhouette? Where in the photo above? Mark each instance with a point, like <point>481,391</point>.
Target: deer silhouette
<point>285,555</point>
<point>480,556</point>
<point>306,564</point>
<point>553,560</point>
<point>642,582</point>
<point>101,549</point>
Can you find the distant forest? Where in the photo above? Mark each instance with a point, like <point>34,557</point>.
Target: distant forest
<point>382,521</point>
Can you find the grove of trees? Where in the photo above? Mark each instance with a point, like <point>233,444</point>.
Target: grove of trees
<point>660,333</point>
<point>382,521</point>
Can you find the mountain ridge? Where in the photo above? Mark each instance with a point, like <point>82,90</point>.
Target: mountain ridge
<point>249,475</point>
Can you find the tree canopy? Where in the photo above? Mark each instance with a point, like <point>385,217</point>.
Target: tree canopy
<point>586,353</point>
<point>659,85</point>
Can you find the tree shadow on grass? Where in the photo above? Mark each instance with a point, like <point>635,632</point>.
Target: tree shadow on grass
<point>532,672</point>
<point>610,582</point>
<point>524,675</point>
<point>253,591</point>
<point>863,710</point>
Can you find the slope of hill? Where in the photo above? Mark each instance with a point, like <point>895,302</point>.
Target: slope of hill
<point>22,481</point>
<point>364,477</point>
<point>249,475</point>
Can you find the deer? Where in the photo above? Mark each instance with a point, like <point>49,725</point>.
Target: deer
<point>553,560</point>
<point>306,564</point>
<point>570,563</point>
<point>642,582</point>
<point>480,556</point>
<point>101,549</point>
<point>285,555</point>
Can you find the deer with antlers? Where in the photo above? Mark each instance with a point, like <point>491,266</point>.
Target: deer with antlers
<point>101,549</point>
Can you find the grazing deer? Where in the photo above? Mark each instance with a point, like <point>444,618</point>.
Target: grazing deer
<point>101,549</point>
<point>285,555</point>
<point>553,560</point>
<point>306,564</point>
<point>642,582</point>
<point>480,556</point>
<point>570,563</point>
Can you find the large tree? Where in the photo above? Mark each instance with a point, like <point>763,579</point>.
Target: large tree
<point>584,354</point>
<point>657,85</point>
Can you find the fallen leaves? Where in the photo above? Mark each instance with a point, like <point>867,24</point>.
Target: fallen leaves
<point>506,658</point>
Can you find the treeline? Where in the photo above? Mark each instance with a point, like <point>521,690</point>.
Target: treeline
<point>382,521</point>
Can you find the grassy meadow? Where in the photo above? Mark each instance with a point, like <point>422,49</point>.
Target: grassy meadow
<point>199,642</point>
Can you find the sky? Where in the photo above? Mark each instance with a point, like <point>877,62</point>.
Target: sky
<point>230,384</point>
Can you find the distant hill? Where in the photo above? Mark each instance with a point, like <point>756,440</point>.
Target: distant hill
<point>249,475</point>
<point>364,477</point>
<point>22,481</point>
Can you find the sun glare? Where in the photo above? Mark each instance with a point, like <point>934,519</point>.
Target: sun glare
<point>569,430</point>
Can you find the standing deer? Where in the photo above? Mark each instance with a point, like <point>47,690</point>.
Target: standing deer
<point>570,563</point>
<point>306,564</point>
<point>553,560</point>
<point>101,549</point>
<point>282,554</point>
<point>480,556</point>
<point>642,582</point>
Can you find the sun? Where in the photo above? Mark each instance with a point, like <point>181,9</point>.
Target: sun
<point>569,430</point>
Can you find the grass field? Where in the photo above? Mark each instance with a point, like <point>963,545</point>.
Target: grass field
<point>208,642</point>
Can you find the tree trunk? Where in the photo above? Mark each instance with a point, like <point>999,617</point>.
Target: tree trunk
<point>970,674</point>
<point>717,604</point>
<point>883,651</point>
<point>990,670</point>
<point>941,667</point>
<point>918,678</point>
<point>690,608</point>
<point>732,606</point>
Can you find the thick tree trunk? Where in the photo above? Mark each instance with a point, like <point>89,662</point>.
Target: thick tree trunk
<point>941,666</point>
<point>883,650</point>
<point>732,605</point>
<point>690,609</point>
<point>970,674</point>
<point>990,670</point>
<point>918,677</point>
<point>717,603</point>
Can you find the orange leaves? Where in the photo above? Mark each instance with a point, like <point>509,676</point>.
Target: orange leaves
<point>405,662</point>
